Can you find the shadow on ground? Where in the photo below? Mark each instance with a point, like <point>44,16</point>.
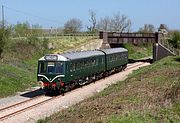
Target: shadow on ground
<point>149,60</point>
<point>177,59</point>
<point>34,93</point>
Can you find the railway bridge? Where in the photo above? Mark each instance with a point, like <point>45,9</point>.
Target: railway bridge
<point>161,48</point>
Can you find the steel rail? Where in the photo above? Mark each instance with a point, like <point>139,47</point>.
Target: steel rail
<point>24,109</point>
<point>19,103</point>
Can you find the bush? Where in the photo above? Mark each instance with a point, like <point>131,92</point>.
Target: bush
<point>32,40</point>
<point>45,43</point>
<point>175,40</point>
<point>41,44</point>
<point>4,36</point>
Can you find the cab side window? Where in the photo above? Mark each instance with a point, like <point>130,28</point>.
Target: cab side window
<point>42,66</point>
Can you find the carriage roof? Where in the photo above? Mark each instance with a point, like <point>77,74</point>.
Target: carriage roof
<point>80,54</point>
<point>114,50</point>
<point>71,55</point>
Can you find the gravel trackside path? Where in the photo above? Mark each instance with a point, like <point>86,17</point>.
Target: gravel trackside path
<point>70,98</point>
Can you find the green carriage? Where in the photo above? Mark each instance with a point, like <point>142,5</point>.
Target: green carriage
<point>65,71</point>
<point>116,58</point>
<point>69,69</point>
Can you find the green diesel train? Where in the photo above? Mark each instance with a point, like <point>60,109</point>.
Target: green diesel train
<point>62,72</point>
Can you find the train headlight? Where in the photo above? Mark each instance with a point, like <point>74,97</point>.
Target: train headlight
<point>41,84</point>
<point>59,79</point>
<point>41,79</point>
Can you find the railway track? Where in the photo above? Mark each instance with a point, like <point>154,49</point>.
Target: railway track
<point>29,104</point>
<point>133,65</point>
<point>19,103</point>
<point>22,106</point>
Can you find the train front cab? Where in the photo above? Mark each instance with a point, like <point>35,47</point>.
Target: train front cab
<point>51,75</point>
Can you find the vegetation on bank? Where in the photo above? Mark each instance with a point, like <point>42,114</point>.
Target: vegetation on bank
<point>65,43</point>
<point>139,51</point>
<point>4,36</point>
<point>19,56</point>
<point>18,65</point>
<point>149,94</point>
<point>175,39</point>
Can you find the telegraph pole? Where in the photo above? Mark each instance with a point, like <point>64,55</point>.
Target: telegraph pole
<point>3,17</point>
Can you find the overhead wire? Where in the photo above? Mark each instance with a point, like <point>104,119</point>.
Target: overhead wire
<point>35,16</point>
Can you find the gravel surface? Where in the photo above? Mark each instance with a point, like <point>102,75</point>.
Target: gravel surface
<point>24,105</point>
<point>70,98</point>
<point>21,96</point>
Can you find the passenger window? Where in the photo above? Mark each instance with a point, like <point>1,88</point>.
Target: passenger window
<point>94,62</point>
<point>102,61</point>
<point>82,65</point>
<point>71,67</point>
<point>85,63</point>
<point>60,67</point>
<point>74,67</point>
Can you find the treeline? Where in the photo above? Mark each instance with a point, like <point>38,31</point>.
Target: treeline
<point>117,23</point>
<point>31,40</point>
<point>24,29</point>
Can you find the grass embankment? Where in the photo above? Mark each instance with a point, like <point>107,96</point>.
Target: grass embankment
<point>139,51</point>
<point>150,94</point>
<point>67,42</point>
<point>18,69</point>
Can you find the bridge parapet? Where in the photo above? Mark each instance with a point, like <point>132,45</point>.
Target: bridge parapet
<point>160,48</point>
<point>135,38</point>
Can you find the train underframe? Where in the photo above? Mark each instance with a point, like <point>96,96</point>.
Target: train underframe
<point>52,88</point>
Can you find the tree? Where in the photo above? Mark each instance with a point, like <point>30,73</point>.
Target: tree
<point>175,39</point>
<point>117,23</point>
<point>36,29</point>
<point>147,28</point>
<point>21,29</point>
<point>163,29</point>
<point>92,20</point>
<point>104,24</point>
<point>73,26</point>
<point>163,26</point>
<point>120,23</point>
<point>4,35</point>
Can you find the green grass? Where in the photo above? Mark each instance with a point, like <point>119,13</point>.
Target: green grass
<point>14,79</point>
<point>149,95</point>
<point>133,117</point>
<point>165,77</point>
<point>18,69</point>
<point>140,51</point>
<point>67,42</point>
<point>165,115</point>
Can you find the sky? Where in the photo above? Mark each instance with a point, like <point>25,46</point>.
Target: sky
<point>54,13</point>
